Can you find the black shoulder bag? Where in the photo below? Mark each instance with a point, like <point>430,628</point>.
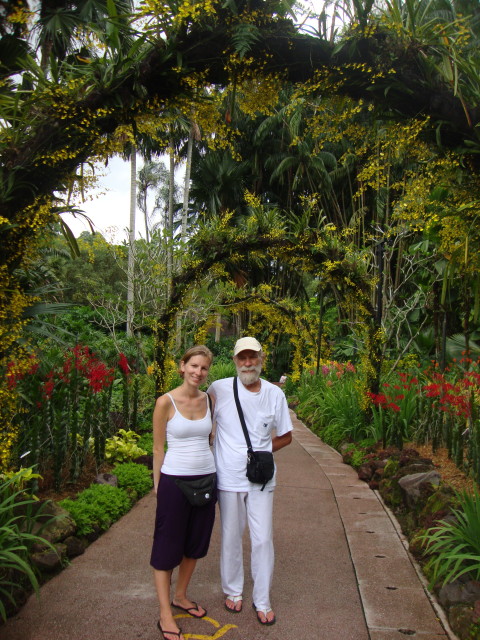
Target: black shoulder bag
<point>260,464</point>
<point>201,491</point>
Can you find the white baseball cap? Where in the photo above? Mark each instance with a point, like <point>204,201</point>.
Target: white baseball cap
<point>244,344</point>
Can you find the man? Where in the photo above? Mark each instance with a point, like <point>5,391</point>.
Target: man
<point>241,501</point>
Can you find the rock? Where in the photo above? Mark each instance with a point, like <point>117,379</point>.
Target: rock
<point>54,523</point>
<point>93,535</point>
<point>462,621</point>
<point>460,591</point>
<point>418,485</point>
<point>50,560</point>
<point>365,471</point>
<point>107,478</point>
<point>390,491</point>
<point>414,467</point>
<point>75,546</point>
<point>437,507</point>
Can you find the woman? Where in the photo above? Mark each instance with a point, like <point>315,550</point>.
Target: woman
<point>182,531</point>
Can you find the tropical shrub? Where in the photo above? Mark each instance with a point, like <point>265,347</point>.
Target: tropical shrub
<point>97,507</point>
<point>330,403</point>
<point>440,408</point>
<point>145,441</point>
<point>134,476</point>
<point>455,544</point>
<point>66,400</point>
<point>356,454</point>
<point>394,409</point>
<point>222,350</point>
<point>123,446</point>
<point>222,369</point>
<point>16,538</point>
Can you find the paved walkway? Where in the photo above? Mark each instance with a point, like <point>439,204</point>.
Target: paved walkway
<point>342,571</point>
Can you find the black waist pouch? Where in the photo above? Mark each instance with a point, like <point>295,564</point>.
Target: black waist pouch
<point>200,491</point>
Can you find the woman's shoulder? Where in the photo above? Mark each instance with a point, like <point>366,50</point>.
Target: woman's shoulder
<point>165,401</point>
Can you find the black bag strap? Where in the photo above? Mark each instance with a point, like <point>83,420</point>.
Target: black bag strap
<point>210,404</point>
<point>240,414</point>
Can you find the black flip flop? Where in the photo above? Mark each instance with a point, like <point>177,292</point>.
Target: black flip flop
<point>190,609</point>
<point>170,633</point>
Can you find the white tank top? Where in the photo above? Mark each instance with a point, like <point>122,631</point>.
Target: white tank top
<point>188,452</point>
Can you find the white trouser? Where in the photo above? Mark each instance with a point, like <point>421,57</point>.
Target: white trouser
<point>236,508</point>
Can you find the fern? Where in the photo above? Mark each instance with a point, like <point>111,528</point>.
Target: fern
<point>244,37</point>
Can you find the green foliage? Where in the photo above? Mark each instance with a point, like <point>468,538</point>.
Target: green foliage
<point>96,508</point>
<point>355,455</point>
<point>329,401</point>
<point>221,370</point>
<point>395,409</point>
<point>134,476</point>
<point>222,350</point>
<point>16,538</point>
<point>123,446</point>
<point>22,478</point>
<point>65,405</point>
<point>86,325</point>
<point>455,545</point>
<point>97,273</point>
<point>145,441</point>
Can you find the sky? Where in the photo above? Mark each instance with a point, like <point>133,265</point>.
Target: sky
<point>108,206</point>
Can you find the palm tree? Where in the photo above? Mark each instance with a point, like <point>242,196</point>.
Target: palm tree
<point>152,176</point>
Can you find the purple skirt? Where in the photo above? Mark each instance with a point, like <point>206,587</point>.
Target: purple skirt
<point>180,528</point>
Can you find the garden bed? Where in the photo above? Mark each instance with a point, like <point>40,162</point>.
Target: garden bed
<point>423,489</point>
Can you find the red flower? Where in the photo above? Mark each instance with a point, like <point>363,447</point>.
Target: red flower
<point>394,406</point>
<point>99,376</point>
<point>432,390</point>
<point>49,385</point>
<point>123,364</point>
<point>378,399</point>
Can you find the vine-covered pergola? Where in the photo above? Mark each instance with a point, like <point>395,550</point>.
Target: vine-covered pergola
<point>63,107</point>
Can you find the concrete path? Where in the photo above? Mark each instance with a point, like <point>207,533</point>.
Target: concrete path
<point>342,571</point>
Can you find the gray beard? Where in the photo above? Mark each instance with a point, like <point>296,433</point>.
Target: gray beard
<point>249,377</point>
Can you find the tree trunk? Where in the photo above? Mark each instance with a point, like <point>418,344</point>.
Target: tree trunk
<point>186,197</point>
<point>171,188</point>
<point>131,241</point>
<point>186,182</point>
<point>145,214</point>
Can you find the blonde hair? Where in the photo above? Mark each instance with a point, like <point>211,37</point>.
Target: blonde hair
<point>197,350</point>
